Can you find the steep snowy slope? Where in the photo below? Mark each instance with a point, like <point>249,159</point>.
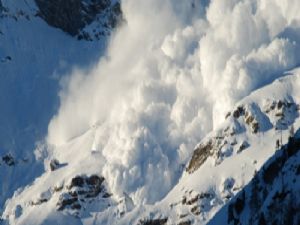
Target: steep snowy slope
<point>227,159</point>
<point>33,58</point>
<point>272,196</point>
<point>222,164</point>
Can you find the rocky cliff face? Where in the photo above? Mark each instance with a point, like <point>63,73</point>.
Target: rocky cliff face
<point>72,16</point>
<point>272,197</point>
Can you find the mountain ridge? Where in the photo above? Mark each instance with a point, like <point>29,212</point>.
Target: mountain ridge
<point>188,188</point>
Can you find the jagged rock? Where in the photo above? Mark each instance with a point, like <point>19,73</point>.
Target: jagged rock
<point>253,117</point>
<point>238,112</point>
<point>66,200</point>
<point>8,159</point>
<point>243,146</point>
<point>200,155</point>
<point>196,210</point>
<point>154,221</point>
<point>227,115</point>
<point>199,202</point>
<point>285,112</point>
<point>54,164</point>
<point>73,15</point>
<point>82,189</point>
<point>94,180</point>
<point>77,182</point>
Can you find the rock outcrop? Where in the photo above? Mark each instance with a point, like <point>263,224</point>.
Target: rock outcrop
<point>81,191</point>
<point>279,115</point>
<point>72,16</point>
<point>153,221</point>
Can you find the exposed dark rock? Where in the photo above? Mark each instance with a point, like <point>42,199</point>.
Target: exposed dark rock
<point>238,112</point>
<point>199,157</point>
<point>54,164</point>
<point>106,195</point>
<point>82,189</point>
<point>285,111</point>
<point>64,202</point>
<point>196,210</point>
<point>76,206</point>
<point>183,215</point>
<point>192,200</point>
<point>227,115</point>
<point>154,221</point>
<point>73,15</point>
<point>94,180</point>
<point>243,146</point>
<point>77,182</point>
<point>9,160</point>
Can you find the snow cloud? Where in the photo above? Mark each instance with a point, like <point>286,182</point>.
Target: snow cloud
<point>170,75</point>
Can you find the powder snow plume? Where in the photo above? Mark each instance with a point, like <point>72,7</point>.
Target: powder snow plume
<point>171,73</point>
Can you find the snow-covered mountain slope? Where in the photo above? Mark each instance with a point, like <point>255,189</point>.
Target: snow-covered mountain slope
<point>227,159</point>
<point>221,166</point>
<point>33,58</point>
<point>272,196</point>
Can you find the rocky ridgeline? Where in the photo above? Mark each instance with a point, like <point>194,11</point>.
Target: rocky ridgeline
<point>77,195</point>
<point>279,115</point>
<point>194,204</point>
<point>282,112</point>
<point>72,16</point>
<point>81,191</point>
<point>250,118</point>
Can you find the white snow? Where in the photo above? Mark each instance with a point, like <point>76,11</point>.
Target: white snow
<point>30,81</point>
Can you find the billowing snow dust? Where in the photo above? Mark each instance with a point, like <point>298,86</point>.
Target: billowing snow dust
<point>171,73</point>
